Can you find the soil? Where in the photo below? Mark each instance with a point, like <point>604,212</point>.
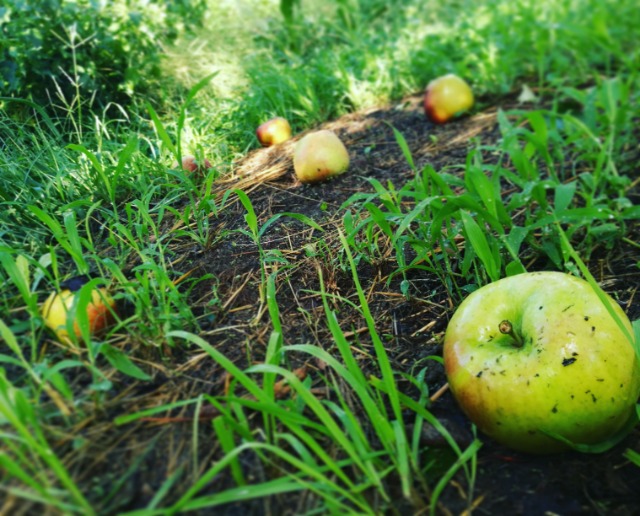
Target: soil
<point>136,458</point>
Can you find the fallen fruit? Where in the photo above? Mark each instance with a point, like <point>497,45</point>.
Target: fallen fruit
<point>274,131</point>
<point>537,354</point>
<point>319,156</point>
<point>58,306</point>
<point>447,97</point>
<point>192,165</point>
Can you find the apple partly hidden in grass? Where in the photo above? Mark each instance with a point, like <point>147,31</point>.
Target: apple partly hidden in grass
<point>193,165</point>
<point>538,354</point>
<point>274,131</point>
<point>447,97</point>
<point>57,307</point>
<point>320,155</point>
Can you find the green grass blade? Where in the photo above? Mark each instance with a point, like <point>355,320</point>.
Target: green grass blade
<point>480,245</point>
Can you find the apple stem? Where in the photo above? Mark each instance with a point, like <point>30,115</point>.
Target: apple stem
<point>506,328</point>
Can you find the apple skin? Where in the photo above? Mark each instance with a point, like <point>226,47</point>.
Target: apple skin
<point>192,165</point>
<point>99,312</point>
<point>274,131</point>
<point>576,374</point>
<point>447,97</point>
<point>319,156</point>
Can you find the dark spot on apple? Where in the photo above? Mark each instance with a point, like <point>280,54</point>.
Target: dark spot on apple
<point>574,354</point>
<point>554,409</point>
<point>586,317</point>
<point>572,396</point>
<point>593,328</point>
<point>479,374</point>
<point>540,308</point>
<point>536,375</point>
<point>567,308</point>
<point>599,379</point>
<point>593,398</point>
<point>503,372</point>
<point>568,361</point>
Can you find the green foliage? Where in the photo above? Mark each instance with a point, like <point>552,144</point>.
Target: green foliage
<point>111,202</point>
<point>428,219</point>
<point>61,52</point>
<point>372,445</point>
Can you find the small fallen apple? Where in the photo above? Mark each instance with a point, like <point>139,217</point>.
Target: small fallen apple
<point>538,354</point>
<point>447,97</point>
<point>192,165</point>
<point>274,131</point>
<point>319,156</point>
<point>58,305</point>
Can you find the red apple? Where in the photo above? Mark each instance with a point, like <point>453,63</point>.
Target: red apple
<point>56,308</point>
<point>447,97</point>
<point>318,156</point>
<point>274,131</point>
<point>192,165</point>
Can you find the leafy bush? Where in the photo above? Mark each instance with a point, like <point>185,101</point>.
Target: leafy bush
<point>95,50</point>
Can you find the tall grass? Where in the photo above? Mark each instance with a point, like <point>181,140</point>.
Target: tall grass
<point>540,161</point>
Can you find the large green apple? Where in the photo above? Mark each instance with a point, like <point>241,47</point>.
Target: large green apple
<point>538,354</point>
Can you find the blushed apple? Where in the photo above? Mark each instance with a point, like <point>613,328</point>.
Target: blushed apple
<point>447,97</point>
<point>58,305</point>
<point>538,353</point>
<point>274,131</point>
<point>319,156</point>
<point>193,165</point>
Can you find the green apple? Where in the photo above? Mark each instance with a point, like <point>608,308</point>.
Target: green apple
<point>274,131</point>
<point>537,354</point>
<point>319,156</point>
<point>447,97</point>
<point>56,309</point>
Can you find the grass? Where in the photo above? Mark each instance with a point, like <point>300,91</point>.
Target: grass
<point>99,194</point>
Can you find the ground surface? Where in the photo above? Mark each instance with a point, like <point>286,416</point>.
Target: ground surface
<point>238,325</point>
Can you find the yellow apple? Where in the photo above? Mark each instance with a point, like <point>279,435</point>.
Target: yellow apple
<point>538,354</point>
<point>319,156</point>
<point>447,97</point>
<point>274,131</point>
<point>56,309</point>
